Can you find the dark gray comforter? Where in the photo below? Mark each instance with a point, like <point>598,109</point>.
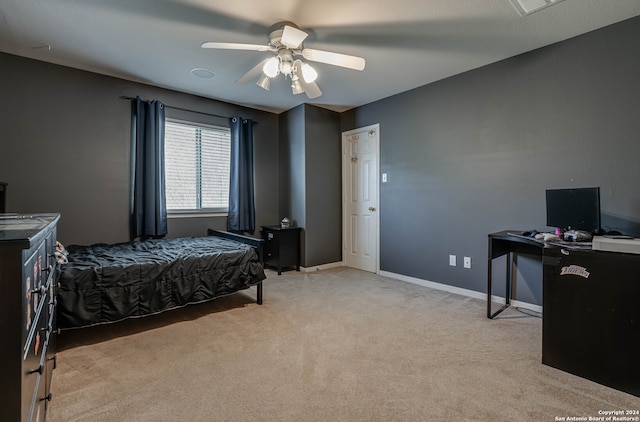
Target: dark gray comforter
<point>107,283</point>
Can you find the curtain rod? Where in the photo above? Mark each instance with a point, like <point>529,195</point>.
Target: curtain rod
<point>124,97</point>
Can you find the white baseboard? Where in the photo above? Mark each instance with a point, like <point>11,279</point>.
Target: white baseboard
<point>460,291</point>
<point>322,267</point>
<point>525,305</point>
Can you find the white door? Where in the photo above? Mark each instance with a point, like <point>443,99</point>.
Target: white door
<point>360,149</point>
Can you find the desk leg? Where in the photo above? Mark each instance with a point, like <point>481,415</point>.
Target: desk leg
<point>507,293</point>
<point>489,274</point>
<point>509,286</point>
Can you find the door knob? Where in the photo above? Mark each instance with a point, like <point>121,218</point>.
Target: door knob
<point>372,208</point>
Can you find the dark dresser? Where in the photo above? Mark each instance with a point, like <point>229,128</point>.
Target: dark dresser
<point>28,286</point>
<point>281,247</point>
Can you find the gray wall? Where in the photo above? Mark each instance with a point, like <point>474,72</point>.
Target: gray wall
<point>310,179</point>
<point>292,168</point>
<point>324,186</point>
<point>65,147</point>
<point>474,153</point>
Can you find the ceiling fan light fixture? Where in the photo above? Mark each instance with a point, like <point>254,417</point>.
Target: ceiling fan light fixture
<point>286,42</point>
<point>296,86</point>
<point>264,82</point>
<point>272,67</point>
<point>309,73</point>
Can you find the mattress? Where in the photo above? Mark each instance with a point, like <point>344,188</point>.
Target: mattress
<point>107,283</point>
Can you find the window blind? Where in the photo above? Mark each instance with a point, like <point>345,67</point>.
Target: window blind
<point>197,161</point>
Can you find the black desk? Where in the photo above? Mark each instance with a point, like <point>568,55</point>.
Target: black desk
<point>503,243</point>
<point>590,324</point>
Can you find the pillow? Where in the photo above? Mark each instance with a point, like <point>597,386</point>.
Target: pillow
<point>61,253</point>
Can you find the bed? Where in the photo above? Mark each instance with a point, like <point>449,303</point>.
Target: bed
<point>107,283</point>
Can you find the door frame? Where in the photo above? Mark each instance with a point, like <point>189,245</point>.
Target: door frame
<point>345,137</point>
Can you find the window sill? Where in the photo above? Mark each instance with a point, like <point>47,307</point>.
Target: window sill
<point>196,214</point>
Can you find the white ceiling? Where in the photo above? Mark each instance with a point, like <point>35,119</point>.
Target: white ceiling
<point>406,43</point>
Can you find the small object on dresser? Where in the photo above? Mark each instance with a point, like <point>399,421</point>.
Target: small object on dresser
<point>285,223</point>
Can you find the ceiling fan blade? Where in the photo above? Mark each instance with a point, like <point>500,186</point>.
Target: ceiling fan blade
<point>336,59</point>
<point>311,89</point>
<point>292,37</point>
<point>253,73</point>
<point>236,46</point>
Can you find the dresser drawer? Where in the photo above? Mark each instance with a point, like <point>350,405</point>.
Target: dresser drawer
<point>38,397</point>
<point>49,354</point>
<point>34,385</point>
<point>34,283</point>
<point>35,338</point>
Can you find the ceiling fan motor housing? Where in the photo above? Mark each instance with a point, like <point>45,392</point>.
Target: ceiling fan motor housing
<point>275,39</point>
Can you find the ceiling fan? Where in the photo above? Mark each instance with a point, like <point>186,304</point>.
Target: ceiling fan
<point>286,42</point>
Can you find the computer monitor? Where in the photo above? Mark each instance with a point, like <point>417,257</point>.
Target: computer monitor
<point>574,209</point>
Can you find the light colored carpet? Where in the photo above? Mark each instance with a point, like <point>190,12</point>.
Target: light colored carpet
<point>333,345</point>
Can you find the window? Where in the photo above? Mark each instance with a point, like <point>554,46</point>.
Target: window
<point>197,161</point>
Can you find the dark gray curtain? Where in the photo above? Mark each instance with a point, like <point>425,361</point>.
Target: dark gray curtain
<point>149,208</point>
<point>242,214</point>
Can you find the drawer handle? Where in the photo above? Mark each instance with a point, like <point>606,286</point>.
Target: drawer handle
<point>55,361</point>
<point>39,291</point>
<point>33,371</point>
<point>48,397</point>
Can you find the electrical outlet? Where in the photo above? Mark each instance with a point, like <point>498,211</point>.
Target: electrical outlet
<point>384,177</point>
<point>452,260</point>
<point>467,262</point>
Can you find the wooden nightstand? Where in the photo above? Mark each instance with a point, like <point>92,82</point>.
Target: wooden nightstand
<point>281,247</point>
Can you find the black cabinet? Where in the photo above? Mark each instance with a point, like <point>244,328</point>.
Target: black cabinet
<point>28,284</point>
<point>591,323</point>
<point>281,247</point>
